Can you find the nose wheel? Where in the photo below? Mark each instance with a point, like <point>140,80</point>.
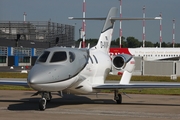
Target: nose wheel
<point>46,97</point>
<point>42,104</point>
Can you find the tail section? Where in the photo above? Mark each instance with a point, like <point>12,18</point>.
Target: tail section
<point>107,31</point>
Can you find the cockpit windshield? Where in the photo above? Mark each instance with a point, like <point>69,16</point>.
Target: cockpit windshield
<point>59,56</point>
<point>44,56</point>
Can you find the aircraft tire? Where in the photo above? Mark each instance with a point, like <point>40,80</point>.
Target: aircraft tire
<point>42,104</point>
<point>119,100</point>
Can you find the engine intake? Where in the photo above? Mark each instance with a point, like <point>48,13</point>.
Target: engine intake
<point>118,62</point>
<point>123,62</point>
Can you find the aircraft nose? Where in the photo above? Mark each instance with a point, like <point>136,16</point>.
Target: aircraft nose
<point>36,74</point>
<point>43,74</point>
<point>40,75</point>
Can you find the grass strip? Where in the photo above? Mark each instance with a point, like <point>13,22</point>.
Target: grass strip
<point>12,87</point>
<point>13,75</point>
<point>163,91</point>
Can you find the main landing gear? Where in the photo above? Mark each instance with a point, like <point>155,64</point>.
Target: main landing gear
<point>117,97</point>
<point>45,97</point>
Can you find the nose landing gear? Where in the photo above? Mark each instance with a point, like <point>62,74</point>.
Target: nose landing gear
<point>46,97</point>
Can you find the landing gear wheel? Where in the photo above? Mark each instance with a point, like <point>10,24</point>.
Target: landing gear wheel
<point>42,104</point>
<point>119,100</point>
<point>117,97</point>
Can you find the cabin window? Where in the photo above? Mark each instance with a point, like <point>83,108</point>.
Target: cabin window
<point>59,56</point>
<point>71,56</point>
<point>44,56</point>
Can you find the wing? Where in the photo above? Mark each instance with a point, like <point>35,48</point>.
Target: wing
<point>137,85</point>
<point>16,83</point>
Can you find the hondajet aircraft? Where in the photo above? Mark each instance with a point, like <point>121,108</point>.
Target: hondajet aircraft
<point>83,71</point>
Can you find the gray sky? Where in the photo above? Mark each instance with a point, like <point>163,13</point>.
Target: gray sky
<point>59,11</point>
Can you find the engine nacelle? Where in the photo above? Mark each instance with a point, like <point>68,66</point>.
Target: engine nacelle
<point>123,62</point>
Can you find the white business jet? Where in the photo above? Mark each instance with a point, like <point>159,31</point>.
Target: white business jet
<point>82,71</point>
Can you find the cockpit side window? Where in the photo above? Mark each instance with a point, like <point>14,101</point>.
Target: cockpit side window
<point>44,56</point>
<point>71,56</point>
<point>59,56</point>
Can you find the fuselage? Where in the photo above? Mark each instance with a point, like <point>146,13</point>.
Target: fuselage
<point>56,71</point>
<point>77,70</point>
<point>149,54</point>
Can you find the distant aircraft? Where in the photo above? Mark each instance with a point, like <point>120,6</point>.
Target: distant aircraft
<point>148,53</point>
<point>82,71</point>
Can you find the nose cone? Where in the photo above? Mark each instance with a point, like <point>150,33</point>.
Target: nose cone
<point>43,74</point>
<point>37,74</point>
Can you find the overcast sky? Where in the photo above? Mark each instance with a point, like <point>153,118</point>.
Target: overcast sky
<point>59,11</point>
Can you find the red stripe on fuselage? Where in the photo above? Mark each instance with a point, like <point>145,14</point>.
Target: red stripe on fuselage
<point>116,51</point>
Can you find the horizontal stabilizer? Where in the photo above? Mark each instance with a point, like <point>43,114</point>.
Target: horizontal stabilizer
<point>73,18</point>
<point>115,18</point>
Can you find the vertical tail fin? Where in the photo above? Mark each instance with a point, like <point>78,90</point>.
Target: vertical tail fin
<point>106,34</point>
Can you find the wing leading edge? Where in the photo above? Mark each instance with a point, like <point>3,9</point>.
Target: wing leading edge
<point>137,85</point>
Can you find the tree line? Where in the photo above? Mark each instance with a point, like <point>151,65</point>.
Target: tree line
<point>129,42</point>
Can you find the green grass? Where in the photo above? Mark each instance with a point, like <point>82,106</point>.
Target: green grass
<point>163,91</point>
<point>13,75</point>
<point>11,87</point>
<point>109,77</point>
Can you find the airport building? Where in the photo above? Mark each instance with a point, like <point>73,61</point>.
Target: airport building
<point>21,42</point>
<point>157,68</point>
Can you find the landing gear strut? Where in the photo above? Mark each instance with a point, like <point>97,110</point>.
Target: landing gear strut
<point>117,97</point>
<point>45,97</point>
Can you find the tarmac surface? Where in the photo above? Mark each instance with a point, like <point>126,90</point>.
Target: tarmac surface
<point>19,105</point>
